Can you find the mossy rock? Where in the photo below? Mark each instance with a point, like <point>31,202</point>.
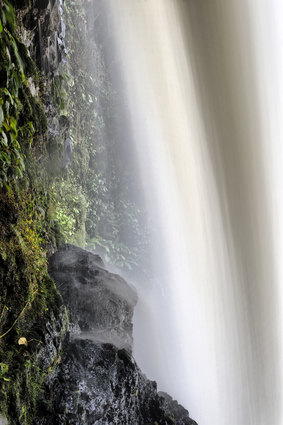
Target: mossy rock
<point>32,111</point>
<point>30,67</point>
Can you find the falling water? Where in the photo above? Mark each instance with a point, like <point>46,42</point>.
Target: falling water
<point>203,83</point>
<point>48,55</point>
<point>56,48</point>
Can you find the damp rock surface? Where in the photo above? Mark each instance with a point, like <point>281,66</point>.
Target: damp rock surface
<point>43,32</point>
<point>3,421</point>
<point>98,381</point>
<point>100,303</point>
<point>100,384</point>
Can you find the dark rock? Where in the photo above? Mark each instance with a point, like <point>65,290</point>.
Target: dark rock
<point>54,331</point>
<point>181,414</point>
<point>98,382</point>
<point>3,421</point>
<point>100,303</point>
<point>43,32</point>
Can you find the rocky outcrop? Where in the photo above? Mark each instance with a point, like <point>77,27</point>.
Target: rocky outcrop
<point>98,381</point>
<point>42,30</point>
<point>3,421</point>
<point>100,303</point>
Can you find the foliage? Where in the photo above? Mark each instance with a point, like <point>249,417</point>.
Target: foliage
<point>12,75</point>
<point>70,211</point>
<point>103,169</point>
<point>124,234</point>
<point>58,94</point>
<point>22,246</point>
<point>20,114</point>
<point>7,16</point>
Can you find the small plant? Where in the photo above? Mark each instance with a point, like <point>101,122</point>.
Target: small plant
<point>3,370</point>
<point>171,416</point>
<point>12,74</point>
<point>58,93</point>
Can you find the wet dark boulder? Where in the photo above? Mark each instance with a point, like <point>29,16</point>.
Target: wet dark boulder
<point>100,384</point>
<point>97,381</point>
<point>100,303</point>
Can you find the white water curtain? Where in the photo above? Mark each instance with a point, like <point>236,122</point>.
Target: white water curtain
<point>203,79</point>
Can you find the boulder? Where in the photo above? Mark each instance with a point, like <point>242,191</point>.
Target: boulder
<point>100,303</point>
<point>97,381</point>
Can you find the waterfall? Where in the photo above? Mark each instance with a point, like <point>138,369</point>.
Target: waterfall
<point>204,91</point>
<point>48,55</point>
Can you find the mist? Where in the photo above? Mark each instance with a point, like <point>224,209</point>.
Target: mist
<point>202,83</point>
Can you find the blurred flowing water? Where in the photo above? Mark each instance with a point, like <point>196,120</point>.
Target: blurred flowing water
<point>203,82</point>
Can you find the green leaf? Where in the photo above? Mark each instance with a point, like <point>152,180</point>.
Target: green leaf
<point>17,172</point>
<point>18,155</point>
<point>31,127</point>
<point>6,91</point>
<point>5,158</point>
<point>8,188</point>
<point>8,54</point>
<point>14,84</point>
<point>4,367</point>
<point>16,145</point>
<point>6,125</point>
<point>4,140</point>
<point>1,115</point>
<point>13,127</point>
<point>9,15</point>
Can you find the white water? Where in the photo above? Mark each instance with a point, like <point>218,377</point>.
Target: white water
<point>203,80</point>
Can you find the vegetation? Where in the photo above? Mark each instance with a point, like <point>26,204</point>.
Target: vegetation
<point>12,74</point>
<point>28,297</point>
<point>98,203</point>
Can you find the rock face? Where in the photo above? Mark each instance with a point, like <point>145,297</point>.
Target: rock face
<point>98,381</point>
<point>44,32</point>
<point>100,303</point>
<point>3,421</point>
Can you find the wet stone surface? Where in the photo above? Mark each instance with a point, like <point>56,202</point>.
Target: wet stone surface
<point>100,303</point>
<point>98,381</point>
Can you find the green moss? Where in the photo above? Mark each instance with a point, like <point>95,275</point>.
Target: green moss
<point>30,68</point>
<point>170,415</point>
<point>29,298</point>
<point>32,110</point>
